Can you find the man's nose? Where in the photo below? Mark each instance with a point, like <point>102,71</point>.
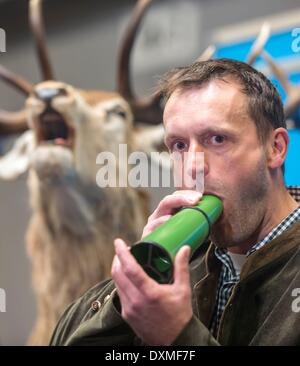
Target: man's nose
<point>197,162</point>
<point>48,94</point>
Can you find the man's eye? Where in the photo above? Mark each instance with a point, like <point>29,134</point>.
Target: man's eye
<point>217,139</point>
<point>178,146</point>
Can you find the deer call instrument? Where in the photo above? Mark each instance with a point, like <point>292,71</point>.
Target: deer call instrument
<point>190,226</point>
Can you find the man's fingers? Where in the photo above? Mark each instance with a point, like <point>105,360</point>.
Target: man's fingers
<point>169,204</point>
<point>181,266</point>
<point>188,193</point>
<point>154,224</point>
<point>126,290</point>
<point>130,267</point>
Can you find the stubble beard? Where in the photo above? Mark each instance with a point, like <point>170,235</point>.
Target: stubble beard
<point>248,203</point>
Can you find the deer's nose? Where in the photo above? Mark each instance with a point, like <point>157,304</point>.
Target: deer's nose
<point>47,94</point>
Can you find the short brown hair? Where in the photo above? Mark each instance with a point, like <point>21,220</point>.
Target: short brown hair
<point>265,105</point>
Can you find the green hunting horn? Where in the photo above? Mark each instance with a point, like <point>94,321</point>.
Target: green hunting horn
<point>190,226</point>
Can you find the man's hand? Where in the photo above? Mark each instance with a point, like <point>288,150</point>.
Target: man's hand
<point>168,206</point>
<point>156,313</point>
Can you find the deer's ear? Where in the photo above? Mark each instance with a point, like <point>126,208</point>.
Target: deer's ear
<point>150,139</point>
<point>16,161</point>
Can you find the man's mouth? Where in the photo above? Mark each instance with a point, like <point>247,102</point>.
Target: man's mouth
<point>52,128</point>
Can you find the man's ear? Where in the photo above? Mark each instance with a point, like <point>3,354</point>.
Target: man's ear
<point>277,151</point>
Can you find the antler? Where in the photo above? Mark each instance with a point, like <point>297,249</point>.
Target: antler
<point>14,122</point>
<point>255,51</point>
<point>15,80</point>
<point>207,53</point>
<point>259,43</point>
<point>292,91</point>
<point>37,28</point>
<point>147,109</point>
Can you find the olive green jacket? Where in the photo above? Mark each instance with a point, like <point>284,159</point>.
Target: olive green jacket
<point>262,310</point>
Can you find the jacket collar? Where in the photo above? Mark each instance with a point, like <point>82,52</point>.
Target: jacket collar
<point>280,246</point>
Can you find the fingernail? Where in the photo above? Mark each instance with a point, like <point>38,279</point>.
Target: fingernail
<point>117,243</point>
<point>188,251</point>
<point>193,200</point>
<point>195,195</point>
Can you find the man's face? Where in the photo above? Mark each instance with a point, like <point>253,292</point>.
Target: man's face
<point>214,119</point>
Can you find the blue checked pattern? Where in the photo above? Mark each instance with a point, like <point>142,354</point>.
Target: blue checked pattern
<point>228,276</point>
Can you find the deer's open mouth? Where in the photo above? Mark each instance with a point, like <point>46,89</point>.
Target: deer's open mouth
<point>53,128</point>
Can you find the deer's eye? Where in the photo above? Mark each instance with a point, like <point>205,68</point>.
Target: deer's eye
<point>117,111</point>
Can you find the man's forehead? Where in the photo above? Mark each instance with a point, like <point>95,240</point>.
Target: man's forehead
<point>221,87</point>
<point>214,100</point>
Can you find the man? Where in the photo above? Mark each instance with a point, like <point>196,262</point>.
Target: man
<point>239,289</point>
